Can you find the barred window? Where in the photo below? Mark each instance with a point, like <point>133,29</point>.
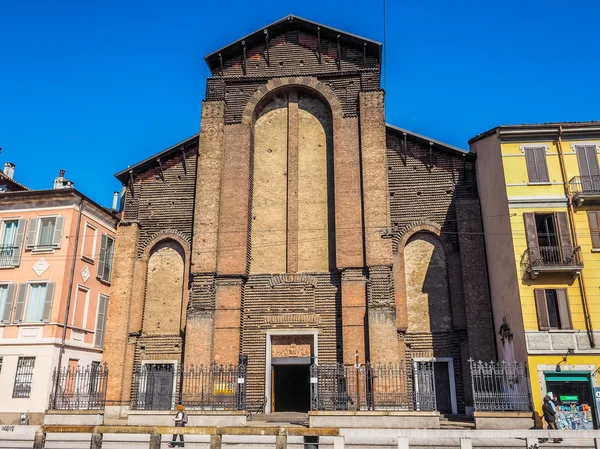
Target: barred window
<point>24,377</point>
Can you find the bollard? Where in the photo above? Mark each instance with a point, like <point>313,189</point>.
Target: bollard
<point>155,439</point>
<point>311,442</point>
<point>281,439</point>
<point>96,442</point>
<point>466,443</point>
<point>39,440</point>
<point>531,443</point>
<point>402,442</point>
<point>215,442</point>
<point>339,443</point>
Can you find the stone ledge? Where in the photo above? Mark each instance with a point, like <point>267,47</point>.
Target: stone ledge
<point>74,417</point>
<point>383,419</point>
<point>195,418</point>
<point>503,420</point>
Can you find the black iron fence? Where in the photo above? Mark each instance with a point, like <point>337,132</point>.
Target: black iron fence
<point>589,185</point>
<point>390,386</point>
<point>79,388</point>
<point>500,386</point>
<point>161,386</point>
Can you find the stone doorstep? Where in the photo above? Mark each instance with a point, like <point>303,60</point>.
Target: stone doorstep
<point>502,414</point>
<point>189,412</point>
<point>371,413</point>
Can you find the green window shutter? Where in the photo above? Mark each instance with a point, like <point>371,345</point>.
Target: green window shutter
<point>20,307</point>
<point>101,321</point>
<point>31,235</point>
<point>542,309</point>
<point>48,301</point>
<point>58,232</point>
<point>102,257</point>
<point>15,259</point>
<point>563,309</point>
<point>594,229</point>
<point>8,306</point>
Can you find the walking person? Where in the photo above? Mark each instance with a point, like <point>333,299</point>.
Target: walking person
<point>180,421</point>
<point>549,410</point>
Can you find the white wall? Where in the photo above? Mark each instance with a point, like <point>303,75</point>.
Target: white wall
<point>46,359</point>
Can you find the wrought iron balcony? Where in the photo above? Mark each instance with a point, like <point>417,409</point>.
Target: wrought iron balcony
<point>6,255</point>
<point>585,188</point>
<point>553,259</point>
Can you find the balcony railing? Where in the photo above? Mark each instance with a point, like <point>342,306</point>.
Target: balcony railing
<point>537,259</point>
<point>582,187</point>
<point>6,255</point>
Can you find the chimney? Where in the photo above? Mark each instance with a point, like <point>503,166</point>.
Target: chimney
<point>115,200</point>
<point>61,182</point>
<point>9,170</point>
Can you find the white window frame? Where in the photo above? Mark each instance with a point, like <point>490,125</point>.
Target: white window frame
<point>85,309</point>
<point>85,257</point>
<point>5,284</point>
<point>30,285</point>
<point>43,249</point>
<point>3,227</point>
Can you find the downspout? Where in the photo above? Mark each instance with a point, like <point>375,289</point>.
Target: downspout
<point>571,209</point>
<point>69,295</point>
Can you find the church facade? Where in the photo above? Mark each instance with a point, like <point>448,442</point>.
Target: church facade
<point>299,228</point>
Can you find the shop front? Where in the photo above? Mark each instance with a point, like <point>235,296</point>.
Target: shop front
<point>571,387</point>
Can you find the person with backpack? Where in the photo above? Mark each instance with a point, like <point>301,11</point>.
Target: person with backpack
<point>180,421</point>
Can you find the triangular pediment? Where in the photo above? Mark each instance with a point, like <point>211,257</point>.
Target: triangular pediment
<point>298,31</point>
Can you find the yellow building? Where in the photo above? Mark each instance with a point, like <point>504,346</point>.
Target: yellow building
<point>539,187</point>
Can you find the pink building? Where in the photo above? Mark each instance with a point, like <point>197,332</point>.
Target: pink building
<point>56,252</point>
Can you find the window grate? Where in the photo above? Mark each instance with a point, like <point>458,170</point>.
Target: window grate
<point>24,377</point>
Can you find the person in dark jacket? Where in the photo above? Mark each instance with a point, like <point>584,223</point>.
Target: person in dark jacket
<point>180,421</point>
<point>549,416</point>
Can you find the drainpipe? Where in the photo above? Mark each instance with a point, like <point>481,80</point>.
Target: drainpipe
<point>69,294</point>
<point>571,209</point>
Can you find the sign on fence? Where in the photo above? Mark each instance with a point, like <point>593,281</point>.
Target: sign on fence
<point>224,388</point>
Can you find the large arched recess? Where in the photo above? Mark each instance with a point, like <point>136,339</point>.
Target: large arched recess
<point>237,169</point>
<point>292,210</point>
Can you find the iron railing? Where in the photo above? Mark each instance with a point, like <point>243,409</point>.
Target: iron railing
<point>373,387</point>
<point>79,387</point>
<point>587,185</point>
<point>6,255</point>
<point>24,377</point>
<point>536,257</point>
<point>500,386</point>
<point>161,386</point>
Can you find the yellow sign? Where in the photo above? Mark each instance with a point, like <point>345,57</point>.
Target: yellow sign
<point>226,388</point>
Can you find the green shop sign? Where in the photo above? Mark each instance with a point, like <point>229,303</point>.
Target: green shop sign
<point>569,398</point>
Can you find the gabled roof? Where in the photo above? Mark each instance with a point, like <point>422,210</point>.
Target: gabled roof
<point>18,186</point>
<point>541,129</point>
<point>150,162</point>
<point>435,143</point>
<point>289,23</point>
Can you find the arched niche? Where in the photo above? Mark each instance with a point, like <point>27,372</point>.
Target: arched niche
<point>292,211</point>
<point>165,282</point>
<point>427,291</point>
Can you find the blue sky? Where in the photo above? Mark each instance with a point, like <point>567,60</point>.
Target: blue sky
<point>93,87</point>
